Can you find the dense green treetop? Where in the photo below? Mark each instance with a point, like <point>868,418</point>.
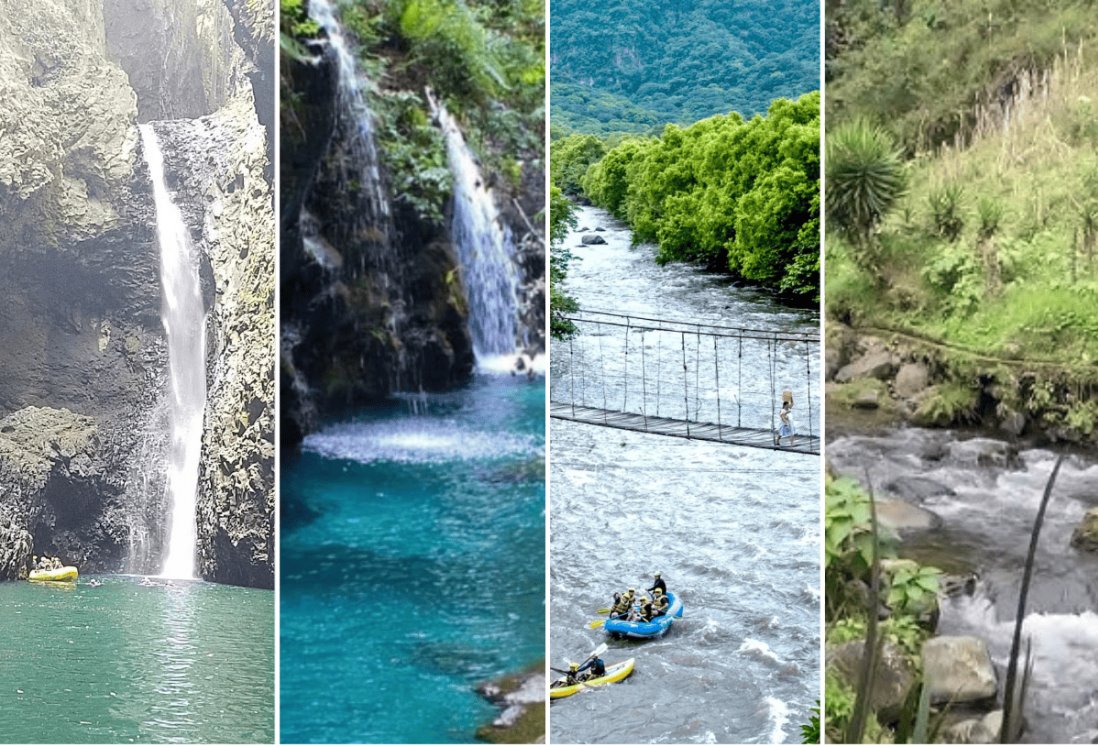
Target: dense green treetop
<point>736,195</point>
<point>629,65</point>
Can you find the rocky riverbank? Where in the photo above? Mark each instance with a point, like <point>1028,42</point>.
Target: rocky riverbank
<point>881,377</point>
<point>521,699</point>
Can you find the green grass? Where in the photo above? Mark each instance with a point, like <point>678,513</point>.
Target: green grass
<point>1021,286</point>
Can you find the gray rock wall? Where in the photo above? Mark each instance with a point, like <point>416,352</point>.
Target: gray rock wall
<point>79,272</point>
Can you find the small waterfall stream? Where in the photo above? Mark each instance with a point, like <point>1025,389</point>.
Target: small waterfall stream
<point>184,321</point>
<point>485,249</point>
<point>357,122</point>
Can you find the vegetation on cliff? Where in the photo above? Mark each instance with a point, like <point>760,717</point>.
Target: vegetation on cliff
<point>968,132</point>
<point>483,58</point>
<point>633,67</point>
<point>735,195</point>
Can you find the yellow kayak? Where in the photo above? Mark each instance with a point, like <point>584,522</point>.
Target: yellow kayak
<point>67,573</point>
<point>614,673</point>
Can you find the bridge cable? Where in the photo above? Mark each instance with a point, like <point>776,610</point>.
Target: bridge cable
<point>771,351</point>
<point>717,377</point>
<point>808,383</point>
<point>625,373</point>
<point>685,385</point>
<point>739,388</point>
<point>659,363</point>
<point>644,382</point>
<point>602,372</point>
<point>697,378</point>
<point>572,372</point>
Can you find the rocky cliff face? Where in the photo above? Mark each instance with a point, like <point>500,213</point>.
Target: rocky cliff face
<point>377,306</point>
<point>366,309</point>
<point>79,271</point>
<point>218,165</point>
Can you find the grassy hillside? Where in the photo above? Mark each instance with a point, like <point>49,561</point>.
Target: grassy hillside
<point>623,66</point>
<point>980,192</point>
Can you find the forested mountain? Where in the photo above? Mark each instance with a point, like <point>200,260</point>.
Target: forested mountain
<point>634,65</point>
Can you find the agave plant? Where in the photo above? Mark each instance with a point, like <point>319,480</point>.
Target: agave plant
<point>865,179</point>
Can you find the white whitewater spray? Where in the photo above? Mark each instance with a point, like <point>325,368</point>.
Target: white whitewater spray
<point>485,250</point>
<point>184,321</point>
<point>357,118</point>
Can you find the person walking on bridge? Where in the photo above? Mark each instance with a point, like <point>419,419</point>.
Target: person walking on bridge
<point>787,429</point>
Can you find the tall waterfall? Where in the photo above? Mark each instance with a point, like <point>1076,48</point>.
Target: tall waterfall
<point>485,247</point>
<point>184,321</point>
<point>357,123</point>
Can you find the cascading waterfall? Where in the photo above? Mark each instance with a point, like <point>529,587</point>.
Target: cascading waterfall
<point>485,247</point>
<point>184,321</point>
<point>357,123</point>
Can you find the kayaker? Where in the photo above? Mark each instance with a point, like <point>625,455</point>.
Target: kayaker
<point>594,667</point>
<point>659,584</point>
<point>573,676</point>
<point>660,603</point>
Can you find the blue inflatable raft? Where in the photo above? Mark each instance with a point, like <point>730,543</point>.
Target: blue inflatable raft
<point>657,627</point>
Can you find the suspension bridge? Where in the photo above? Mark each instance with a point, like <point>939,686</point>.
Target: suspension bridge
<point>698,380</point>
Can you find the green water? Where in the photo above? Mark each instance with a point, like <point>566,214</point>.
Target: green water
<point>189,662</point>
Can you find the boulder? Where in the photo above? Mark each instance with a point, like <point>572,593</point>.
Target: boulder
<point>984,730</point>
<point>894,680</point>
<point>902,516</point>
<point>592,238</point>
<point>911,379</point>
<point>918,489</point>
<point>1085,536</point>
<point>867,398</point>
<point>877,364</point>
<point>958,669</point>
<point>15,551</point>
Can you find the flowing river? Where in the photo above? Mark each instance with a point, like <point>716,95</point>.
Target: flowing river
<point>734,530</point>
<point>413,566</point>
<point>178,662</point>
<point>986,493</point>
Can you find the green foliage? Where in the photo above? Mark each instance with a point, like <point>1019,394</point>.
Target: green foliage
<point>924,73</point>
<point>865,178</point>
<point>913,589</point>
<point>622,66</point>
<point>734,195</point>
<point>414,152</point>
<point>295,26</point>
<point>947,211</point>
<point>810,732</point>
<point>952,403</point>
<point>955,274</point>
<point>989,213</point>
<point>848,542</point>
<point>561,220</point>
<point>571,157</point>
<point>462,54</point>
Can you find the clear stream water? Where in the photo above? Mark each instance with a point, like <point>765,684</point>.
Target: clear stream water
<point>186,663</point>
<point>987,493</point>
<point>418,570</point>
<point>734,530</point>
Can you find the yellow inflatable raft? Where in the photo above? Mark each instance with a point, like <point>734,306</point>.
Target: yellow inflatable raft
<point>614,673</point>
<point>66,573</point>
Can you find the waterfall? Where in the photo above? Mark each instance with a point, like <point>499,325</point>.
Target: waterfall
<point>486,250</point>
<point>357,125</point>
<point>183,316</point>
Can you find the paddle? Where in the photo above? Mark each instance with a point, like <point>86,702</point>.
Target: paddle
<point>602,611</point>
<point>599,651</point>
